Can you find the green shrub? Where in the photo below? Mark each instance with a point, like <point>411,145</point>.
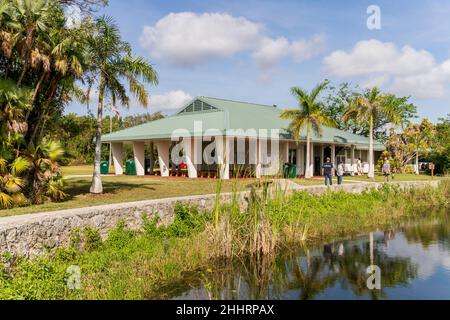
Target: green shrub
<point>92,239</point>
<point>119,237</point>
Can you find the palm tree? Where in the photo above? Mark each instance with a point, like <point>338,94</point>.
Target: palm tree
<point>310,115</point>
<point>368,108</point>
<point>112,62</point>
<point>27,19</point>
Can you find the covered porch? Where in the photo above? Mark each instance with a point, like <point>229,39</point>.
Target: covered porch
<point>154,157</point>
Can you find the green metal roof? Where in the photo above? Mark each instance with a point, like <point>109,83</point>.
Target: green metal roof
<point>226,115</point>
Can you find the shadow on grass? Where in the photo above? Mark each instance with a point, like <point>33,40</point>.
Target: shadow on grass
<point>81,187</point>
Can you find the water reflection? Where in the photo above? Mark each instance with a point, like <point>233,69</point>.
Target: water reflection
<point>414,261</point>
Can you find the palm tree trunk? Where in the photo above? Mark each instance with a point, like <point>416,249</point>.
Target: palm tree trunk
<point>371,248</point>
<point>308,173</point>
<point>38,87</point>
<point>417,163</point>
<point>22,75</point>
<point>371,157</point>
<point>96,186</point>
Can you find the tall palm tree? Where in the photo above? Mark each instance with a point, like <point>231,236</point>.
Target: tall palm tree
<point>27,19</point>
<point>310,115</point>
<point>112,62</point>
<point>368,108</point>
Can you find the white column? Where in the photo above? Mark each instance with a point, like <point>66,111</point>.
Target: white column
<point>223,156</point>
<point>139,157</point>
<point>352,156</point>
<point>311,160</point>
<point>162,148</point>
<point>285,152</point>
<point>258,166</point>
<point>117,154</point>
<point>190,149</point>
<point>299,157</point>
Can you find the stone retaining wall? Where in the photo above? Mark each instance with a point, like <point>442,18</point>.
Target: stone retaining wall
<point>33,234</point>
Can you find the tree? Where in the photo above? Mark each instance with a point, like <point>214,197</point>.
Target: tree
<point>310,115</point>
<point>419,137</point>
<point>415,140</point>
<point>440,152</point>
<point>368,108</point>
<point>339,97</point>
<point>28,23</point>
<point>112,62</point>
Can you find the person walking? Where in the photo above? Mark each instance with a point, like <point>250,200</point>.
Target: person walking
<point>328,171</point>
<point>359,167</point>
<point>386,170</point>
<point>340,172</point>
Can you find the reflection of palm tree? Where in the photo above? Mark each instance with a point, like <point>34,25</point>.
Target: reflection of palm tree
<point>310,282</point>
<point>395,270</point>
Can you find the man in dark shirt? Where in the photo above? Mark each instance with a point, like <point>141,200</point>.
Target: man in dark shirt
<point>328,171</point>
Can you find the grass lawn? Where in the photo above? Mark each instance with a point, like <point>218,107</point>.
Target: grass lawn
<point>129,188</point>
<point>398,177</point>
<point>77,170</point>
<point>119,189</point>
<point>317,181</point>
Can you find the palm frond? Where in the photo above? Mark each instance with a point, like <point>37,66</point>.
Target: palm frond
<point>5,200</point>
<point>20,165</point>
<point>14,184</point>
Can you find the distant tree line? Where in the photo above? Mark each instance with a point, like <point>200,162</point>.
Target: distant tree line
<point>77,134</point>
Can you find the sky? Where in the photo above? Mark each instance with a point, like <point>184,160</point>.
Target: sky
<point>256,50</point>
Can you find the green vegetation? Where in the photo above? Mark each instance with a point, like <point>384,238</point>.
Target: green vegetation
<point>112,63</point>
<point>77,135</point>
<point>310,115</point>
<point>46,61</point>
<point>440,152</point>
<point>414,141</point>
<point>141,264</point>
<point>366,109</point>
<point>339,97</point>
<point>128,188</point>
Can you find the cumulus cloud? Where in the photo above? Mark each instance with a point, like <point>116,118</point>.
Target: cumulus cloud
<point>406,70</point>
<point>271,51</point>
<point>169,101</point>
<point>187,38</point>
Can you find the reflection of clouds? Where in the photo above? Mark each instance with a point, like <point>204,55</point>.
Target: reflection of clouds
<point>426,259</point>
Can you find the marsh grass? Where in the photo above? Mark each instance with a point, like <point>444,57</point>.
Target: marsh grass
<point>147,263</point>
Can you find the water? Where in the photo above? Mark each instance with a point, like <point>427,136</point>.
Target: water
<point>414,261</point>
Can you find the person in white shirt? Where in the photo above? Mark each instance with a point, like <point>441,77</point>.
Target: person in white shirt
<point>340,172</point>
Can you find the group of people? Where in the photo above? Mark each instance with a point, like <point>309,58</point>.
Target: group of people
<point>328,171</point>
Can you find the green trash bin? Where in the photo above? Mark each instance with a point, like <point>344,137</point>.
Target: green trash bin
<point>104,167</point>
<point>293,171</point>
<point>130,167</point>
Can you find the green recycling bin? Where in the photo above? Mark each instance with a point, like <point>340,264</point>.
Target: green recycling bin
<point>293,171</point>
<point>104,167</point>
<point>130,167</point>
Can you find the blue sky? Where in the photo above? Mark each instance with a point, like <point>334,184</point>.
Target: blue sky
<point>256,50</point>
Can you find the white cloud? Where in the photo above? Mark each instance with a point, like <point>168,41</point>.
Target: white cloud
<point>271,51</point>
<point>187,39</point>
<point>169,101</point>
<point>408,71</point>
<point>306,49</point>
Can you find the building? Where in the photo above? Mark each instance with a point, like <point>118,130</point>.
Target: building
<point>232,125</point>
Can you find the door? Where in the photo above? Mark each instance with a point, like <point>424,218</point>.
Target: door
<point>317,166</point>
